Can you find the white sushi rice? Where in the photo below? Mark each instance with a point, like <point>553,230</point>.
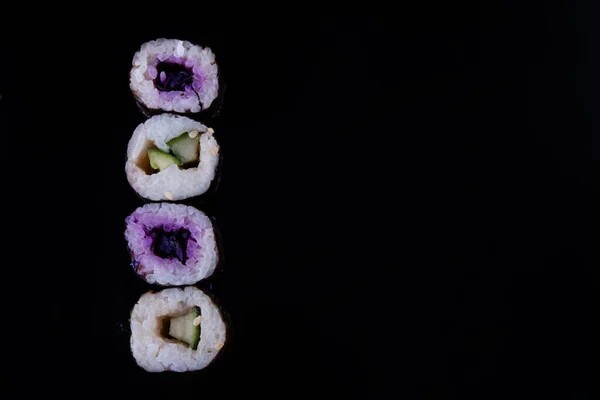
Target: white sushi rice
<point>172,183</point>
<point>201,60</point>
<point>202,246</point>
<point>154,353</point>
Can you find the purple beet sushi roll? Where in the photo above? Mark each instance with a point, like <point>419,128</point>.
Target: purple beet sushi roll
<point>171,244</point>
<point>174,75</point>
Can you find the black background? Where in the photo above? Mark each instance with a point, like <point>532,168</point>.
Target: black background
<point>408,201</point>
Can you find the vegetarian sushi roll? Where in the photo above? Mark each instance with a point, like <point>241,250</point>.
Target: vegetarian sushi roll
<point>171,157</point>
<point>176,329</point>
<point>171,244</point>
<point>175,76</point>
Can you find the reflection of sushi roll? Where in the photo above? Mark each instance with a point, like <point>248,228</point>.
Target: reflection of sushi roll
<point>171,157</point>
<point>171,244</point>
<point>176,329</point>
<point>175,76</point>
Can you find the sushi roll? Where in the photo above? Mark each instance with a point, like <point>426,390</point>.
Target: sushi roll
<point>171,157</point>
<point>176,329</point>
<point>171,244</point>
<point>174,76</point>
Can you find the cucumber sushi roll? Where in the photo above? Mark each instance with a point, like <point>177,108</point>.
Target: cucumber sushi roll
<point>175,76</point>
<point>171,244</point>
<point>171,157</point>
<point>176,329</point>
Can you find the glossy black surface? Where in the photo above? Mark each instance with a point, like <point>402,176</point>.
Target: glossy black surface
<point>408,209</point>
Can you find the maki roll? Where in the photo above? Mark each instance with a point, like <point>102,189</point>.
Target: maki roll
<point>171,157</point>
<point>171,244</point>
<point>174,75</point>
<point>176,329</point>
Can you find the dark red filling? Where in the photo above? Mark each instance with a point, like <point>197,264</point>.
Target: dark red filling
<point>172,244</point>
<point>175,78</point>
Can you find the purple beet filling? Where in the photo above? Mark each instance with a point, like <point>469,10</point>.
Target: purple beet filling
<point>172,244</point>
<point>172,77</point>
